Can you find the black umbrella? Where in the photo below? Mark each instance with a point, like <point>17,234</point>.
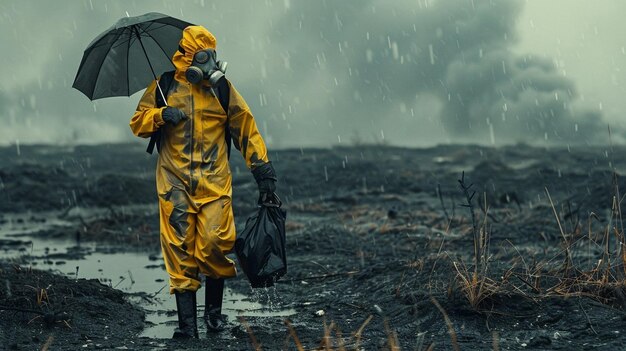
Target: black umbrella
<point>124,59</point>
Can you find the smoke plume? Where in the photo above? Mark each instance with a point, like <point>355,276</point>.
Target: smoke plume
<point>315,73</point>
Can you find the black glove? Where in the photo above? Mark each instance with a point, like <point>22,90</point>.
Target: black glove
<point>267,186</point>
<point>265,178</point>
<point>173,115</point>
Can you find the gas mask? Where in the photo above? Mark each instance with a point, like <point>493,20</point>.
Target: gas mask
<point>205,66</point>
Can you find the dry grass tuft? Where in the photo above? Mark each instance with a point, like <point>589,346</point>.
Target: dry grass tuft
<point>476,287</point>
<point>604,280</point>
<point>475,283</point>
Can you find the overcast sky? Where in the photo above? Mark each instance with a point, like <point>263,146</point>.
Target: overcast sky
<point>320,73</point>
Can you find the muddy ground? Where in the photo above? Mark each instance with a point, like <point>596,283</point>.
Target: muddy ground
<point>380,248</point>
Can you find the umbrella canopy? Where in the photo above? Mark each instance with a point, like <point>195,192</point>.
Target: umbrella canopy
<point>125,58</point>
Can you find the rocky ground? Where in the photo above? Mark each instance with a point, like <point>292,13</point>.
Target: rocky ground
<point>382,246</point>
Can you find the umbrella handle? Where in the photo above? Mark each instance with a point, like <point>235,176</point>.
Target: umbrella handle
<point>150,64</point>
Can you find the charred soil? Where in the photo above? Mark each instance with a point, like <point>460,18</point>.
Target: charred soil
<point>386,248</point>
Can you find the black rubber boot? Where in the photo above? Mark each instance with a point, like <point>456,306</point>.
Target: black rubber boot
<point>187,316</point>
<point>213,318</point>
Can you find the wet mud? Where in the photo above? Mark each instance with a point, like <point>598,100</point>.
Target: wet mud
<point>41,308</point>
<point>382,246</point>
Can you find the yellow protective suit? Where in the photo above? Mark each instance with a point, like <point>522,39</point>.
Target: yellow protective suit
<point>193,175</point>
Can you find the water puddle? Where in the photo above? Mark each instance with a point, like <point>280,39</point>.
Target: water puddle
<point>141,274</point>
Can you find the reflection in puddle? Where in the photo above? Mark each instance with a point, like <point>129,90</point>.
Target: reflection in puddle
<point>140,274</point>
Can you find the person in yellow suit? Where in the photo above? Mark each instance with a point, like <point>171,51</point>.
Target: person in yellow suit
<point>193,176</point>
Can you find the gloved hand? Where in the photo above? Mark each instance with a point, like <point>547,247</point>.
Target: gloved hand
<point>267,185</point>
<point>265,177</point>
<point>173,115</point>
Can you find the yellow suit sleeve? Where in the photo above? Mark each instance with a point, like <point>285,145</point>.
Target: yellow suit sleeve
<point>147,118</point>
<point>244,132</point>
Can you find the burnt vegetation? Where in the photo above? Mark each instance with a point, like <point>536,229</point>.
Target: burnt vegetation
<point>450,247</point>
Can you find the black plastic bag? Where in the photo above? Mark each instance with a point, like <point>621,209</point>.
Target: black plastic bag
<point>260,247</point>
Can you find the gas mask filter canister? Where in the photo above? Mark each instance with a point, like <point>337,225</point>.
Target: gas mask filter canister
<point>205,66</point>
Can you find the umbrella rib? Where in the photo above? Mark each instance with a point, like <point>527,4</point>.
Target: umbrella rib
<point>132,39</point>
<point>127,64</point>
<point>160,47</point>
<point>121,43</point>
<point>101,62</point>
<point>99,43</point>
<point>150,25</point>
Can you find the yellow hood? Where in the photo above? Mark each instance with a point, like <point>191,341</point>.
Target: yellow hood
<point>195,38</point>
